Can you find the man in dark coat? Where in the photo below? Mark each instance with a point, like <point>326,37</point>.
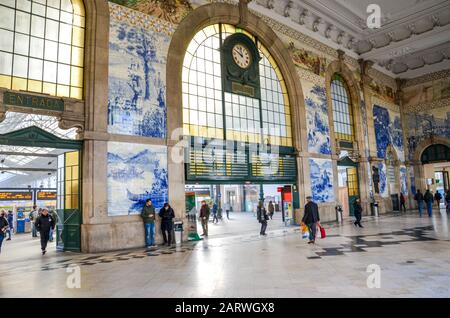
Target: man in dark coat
<point>3,227</point>
<point>428,198</point>
<point>204,217</point>
<point>148,216</point>
<point>358,212</point>
<point>419,198</point>
<point>167,214</point>
<point>311,218</point>
<point>447,200</point>
<point>262,217</point>
<point>43,224</point>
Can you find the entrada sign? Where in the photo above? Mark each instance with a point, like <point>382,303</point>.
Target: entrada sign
<point>33,101</point>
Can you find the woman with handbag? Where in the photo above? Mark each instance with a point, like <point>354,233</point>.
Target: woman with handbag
<point>262,217</point>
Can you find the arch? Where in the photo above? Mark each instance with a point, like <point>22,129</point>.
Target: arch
<point>230,14</point>
<point>435,153</point>
<point>339,67</point>
<point>424,144</point>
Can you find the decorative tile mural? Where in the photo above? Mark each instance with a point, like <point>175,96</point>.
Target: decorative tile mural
<point>137,74</point>
<point>384,192</point>
<point>321,172</point>
<point>413,180</point>
<point>170,10</point>
<point>422,125</point>
<point>309,61</point>
<point>388,128</point>
<point>136,172</point>
<point>317,118</point>
<point>403,182</point>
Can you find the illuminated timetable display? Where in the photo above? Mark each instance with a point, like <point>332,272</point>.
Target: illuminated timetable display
<point>16,196</point>
<point>46,195</point>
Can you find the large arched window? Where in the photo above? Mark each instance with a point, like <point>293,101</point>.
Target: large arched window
<point>42,46</point>
<point>342,111</point>
<point>210,112</point>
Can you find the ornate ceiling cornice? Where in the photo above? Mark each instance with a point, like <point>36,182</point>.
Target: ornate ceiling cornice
<point>425,107</point>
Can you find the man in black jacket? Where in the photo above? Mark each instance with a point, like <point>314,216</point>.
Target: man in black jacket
<point>43,224</point>
<point>3,227</point>
<point>311,218</point>
<point>166,214</point>
<point>358,212</point>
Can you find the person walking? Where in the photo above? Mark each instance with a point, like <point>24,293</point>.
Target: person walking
<point>311,218</point>
<point>10,229</point>
<point>402,202</point>
<point>428,198</point>
<point>33,216</point>
<point>166,214</point>
<point>261,215</point>
<point>419,198</point>
<point>438,198</point>
<point>55,219</point>
<point>43,224</point>
<point>214,212</point>
<point>3,227</point>
<point>447,199</point>
<point>227,210</point>
<point>357,208</point>
<point>204,217</point>
<point>148,216</point>
<point>271,209</point>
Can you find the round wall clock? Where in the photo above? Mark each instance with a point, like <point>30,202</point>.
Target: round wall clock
<point>241,55</point>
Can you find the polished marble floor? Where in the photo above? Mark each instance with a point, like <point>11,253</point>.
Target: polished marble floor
<point>413,255</point>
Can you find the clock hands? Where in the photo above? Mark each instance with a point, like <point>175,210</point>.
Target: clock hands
<point>240,53</point>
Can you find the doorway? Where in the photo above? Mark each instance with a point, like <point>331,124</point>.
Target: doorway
<point>348,182</point>
<point>41,169</point>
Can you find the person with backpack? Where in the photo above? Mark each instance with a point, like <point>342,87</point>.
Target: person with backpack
<point>311,218</point>
<point>3,226</point>
<point>262,217</point>
<point>438,198</point>
<point>10,229</point>
<point>33,216</point>
<point>402,202</point>
<point>428,198</point>
<point>43,224</point>
<point>214,212</point>
<point>419,198</point>
<point>167,214</point>
<point>148,216</point>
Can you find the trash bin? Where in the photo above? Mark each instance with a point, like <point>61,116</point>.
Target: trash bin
<point>338,209</point>
<point>375,209</point>
<point>20,226</point>
<point>178,228</point>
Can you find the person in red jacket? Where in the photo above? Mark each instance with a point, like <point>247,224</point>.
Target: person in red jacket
<point>402,202</point>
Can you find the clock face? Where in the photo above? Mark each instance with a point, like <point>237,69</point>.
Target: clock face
<point>241,56</point>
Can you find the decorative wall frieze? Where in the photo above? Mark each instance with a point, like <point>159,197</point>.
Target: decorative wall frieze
<point>310,76</point>
<point>427,106</point>
<point>427,78</point>
<point>136,18</point>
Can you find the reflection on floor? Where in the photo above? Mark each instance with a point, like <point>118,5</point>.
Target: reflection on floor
<point>239,223</point>
<point>413,254</point>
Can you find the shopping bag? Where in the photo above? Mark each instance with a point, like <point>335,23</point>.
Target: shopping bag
<point>305,231</point>
<point>323,234</point>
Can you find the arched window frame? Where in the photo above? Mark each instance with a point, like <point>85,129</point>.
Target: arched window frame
<point>343,115</point>
<point>262,112</point>
<point>38,54</point>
